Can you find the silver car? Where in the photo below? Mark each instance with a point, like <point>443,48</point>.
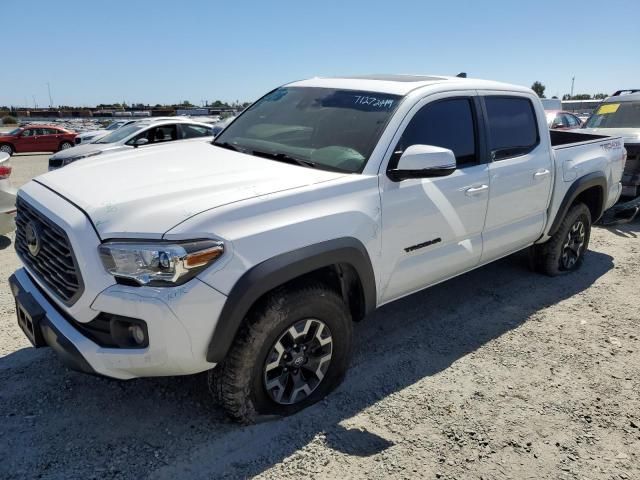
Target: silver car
<point>144,133</point>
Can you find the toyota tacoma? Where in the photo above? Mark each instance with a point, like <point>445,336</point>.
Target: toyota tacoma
<point>250,256</point>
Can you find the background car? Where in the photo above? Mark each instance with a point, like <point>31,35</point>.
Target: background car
<point>143,133</point>
<point>221,125</point>
<point>92,135</point>
<point>619,114</point>
<point>36,138</point>
<point>7,196</point>
<point>559,120</point>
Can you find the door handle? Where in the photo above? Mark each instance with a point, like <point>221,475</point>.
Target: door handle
<point>541,174</point>
<point>470,192</point>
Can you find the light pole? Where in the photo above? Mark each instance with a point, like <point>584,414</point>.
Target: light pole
<point>573,79</point>
<point>50,101</point>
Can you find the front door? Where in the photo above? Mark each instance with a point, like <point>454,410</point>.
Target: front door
<point>432,227</point>
<point>27,141</point>
<point>520,174</point>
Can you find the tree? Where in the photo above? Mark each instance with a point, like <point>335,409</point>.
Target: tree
<point>600,96</point>
<point>539,88</point>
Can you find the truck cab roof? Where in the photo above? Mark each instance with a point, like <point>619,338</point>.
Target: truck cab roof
<point>403,84</point>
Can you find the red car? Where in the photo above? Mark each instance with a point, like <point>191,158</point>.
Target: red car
<point>36,138</point>
<point>559,120</point>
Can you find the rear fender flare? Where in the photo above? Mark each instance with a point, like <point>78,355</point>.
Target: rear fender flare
<point>595,179</point>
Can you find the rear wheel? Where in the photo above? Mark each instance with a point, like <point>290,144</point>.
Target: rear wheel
<point>565,251</point>
<point>293,350</point>
<point>6,148</point>
<point>65,145</point>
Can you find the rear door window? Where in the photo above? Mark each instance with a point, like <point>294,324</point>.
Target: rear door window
<point>512,125</point>
<point>573,121</point>
<point>194,131</point>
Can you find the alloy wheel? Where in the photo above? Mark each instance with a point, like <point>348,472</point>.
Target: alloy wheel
<point>298,361</point>
<point>574,245</point>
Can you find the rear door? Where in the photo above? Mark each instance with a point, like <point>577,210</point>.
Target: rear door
<point>520,175</point>
<point>49,140</point>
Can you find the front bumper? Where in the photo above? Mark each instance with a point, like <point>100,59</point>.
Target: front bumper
<point>180,322</point>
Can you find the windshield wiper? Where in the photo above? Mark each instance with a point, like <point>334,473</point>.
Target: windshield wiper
<point>228,146</point>
<point>283,157</point>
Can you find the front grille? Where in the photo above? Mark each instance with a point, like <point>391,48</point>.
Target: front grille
<point>55,163</point>
<point>78,140</point>
<point>54,264</point>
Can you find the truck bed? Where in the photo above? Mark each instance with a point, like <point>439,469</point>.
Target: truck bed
<point>562,138</point>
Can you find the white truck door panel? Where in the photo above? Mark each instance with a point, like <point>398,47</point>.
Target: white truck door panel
<point>520,174</point>
<point>432,227</point>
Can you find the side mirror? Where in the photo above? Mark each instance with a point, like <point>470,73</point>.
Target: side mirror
<point>423,161</point>
<point>140,142</point>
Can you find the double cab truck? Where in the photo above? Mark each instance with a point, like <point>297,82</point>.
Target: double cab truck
<point>250,256</point>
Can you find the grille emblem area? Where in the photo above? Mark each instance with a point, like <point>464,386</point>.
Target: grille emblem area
<point>33,238</point>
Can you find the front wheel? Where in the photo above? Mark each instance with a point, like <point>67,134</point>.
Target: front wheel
<point>564,252</point>
<point>65,145</point>
<point>292,350</point>
<point>6,148</point>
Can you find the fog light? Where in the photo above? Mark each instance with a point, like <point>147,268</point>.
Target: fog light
<point>137,333</point>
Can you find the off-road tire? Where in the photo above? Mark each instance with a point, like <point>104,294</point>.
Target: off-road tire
<point>547,257</point>
<point>239,383</point>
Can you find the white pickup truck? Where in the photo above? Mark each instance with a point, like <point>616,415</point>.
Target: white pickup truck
<point>251,256</point>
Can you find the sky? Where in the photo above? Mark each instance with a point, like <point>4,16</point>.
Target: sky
<point>167,51</point>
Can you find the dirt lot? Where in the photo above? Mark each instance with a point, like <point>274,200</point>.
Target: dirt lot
<point>499,374</point>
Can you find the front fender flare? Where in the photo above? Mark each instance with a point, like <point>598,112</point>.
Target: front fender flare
<point>278,270</point>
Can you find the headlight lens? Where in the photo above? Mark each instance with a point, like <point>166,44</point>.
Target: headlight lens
<point>159,264</point>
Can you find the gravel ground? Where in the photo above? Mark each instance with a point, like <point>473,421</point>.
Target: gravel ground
<point>498,374</point>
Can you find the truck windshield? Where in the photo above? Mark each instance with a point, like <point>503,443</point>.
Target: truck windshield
<point>315,127</point>
<point>122,133</point>
<point>616,115</point>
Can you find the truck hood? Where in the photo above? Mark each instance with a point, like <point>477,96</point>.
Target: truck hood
<point>630,135</point>
<point>146,192</point>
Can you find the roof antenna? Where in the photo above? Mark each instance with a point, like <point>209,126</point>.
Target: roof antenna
<point>462,75</point>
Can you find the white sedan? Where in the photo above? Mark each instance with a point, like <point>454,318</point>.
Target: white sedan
<point>143,133</point>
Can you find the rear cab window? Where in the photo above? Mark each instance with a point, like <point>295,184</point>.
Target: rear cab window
<point>512,126</point>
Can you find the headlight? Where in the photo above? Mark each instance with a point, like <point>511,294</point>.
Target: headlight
<point>159,264</point>
<point>69,160</point>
